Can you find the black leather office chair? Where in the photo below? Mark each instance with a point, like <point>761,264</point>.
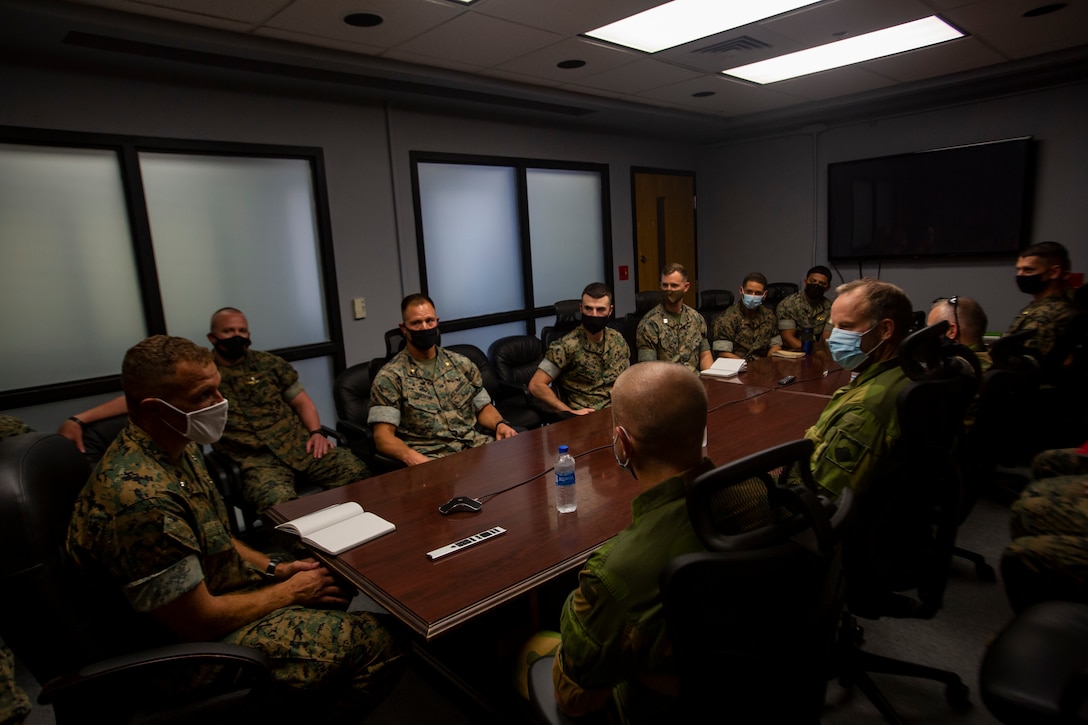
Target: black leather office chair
<point>713,302</point>
<point>568,312</point>
<point>753,618</point>
<point>513,408</point>
<point>394,342</point>
<point>644,302</point>
<point>514,359</point>
<point>902,531</point>
<point>351,396</point>
<point>81,642</point>
<point>1035,671</point>
<point>98,436</point>
<point>778,291</point>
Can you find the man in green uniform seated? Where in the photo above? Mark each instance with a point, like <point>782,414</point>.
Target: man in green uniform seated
<point>747,329</point>
<point>806,308</point>
<point>151,523</point>
<point>1041,272</point>
<point>966,324</point>
<point>428,402</point>
<point>586,361</point>
<point>673,331</point>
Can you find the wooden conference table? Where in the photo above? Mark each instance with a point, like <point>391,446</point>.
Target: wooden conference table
<point>746,414</point>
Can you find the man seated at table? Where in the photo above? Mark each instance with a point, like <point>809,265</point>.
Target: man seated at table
<point>747,329</point>
<point>807,308</point>
<point>966,324</point>
<point>614,647</point>
<point>860,425</point>
<point>150,523</point>
<point>428,402</point>
<point>585,362</point>
<point>1041,271</point>
<point>673,331</point>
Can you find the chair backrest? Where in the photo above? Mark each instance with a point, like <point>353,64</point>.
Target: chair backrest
<point>550,333</point>
<point>394,342</point>
<point>753,619</point>
<point>53,617</point>
<point>515,358</point>
<point>778,291</point>
<point>646,300</point>
<point>351,392</point>
<point>715,300</point>
<point>98,436</point>
<point>568,311</point>
<point>479,358</point>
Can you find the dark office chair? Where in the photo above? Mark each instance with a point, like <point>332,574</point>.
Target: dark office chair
<point>644,302</point>
<point>394,342</point>
<point>515,359</point>
<point>713,302</point>
<point>98,436</point>
<point>778,291</point>
<point>902,531</point>
<point>753,618</point>
<point>82,643</point>
<point>512,408</point>
<point>1035,671</point>
<point>351,396</point>
<point>568,312</point>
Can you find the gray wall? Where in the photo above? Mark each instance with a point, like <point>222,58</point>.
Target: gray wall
<point>762,204</point>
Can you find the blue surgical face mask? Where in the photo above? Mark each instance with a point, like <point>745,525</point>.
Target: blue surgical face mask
<point>845,347</point>
<point>752,301</point>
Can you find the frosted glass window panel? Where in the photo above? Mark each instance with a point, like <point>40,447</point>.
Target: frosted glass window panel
<point>471,238</point>
<point>482,337</point>
<point>232,231</point>
<point>68,282</point>
<point>566,233</point>
<point>316,376</point>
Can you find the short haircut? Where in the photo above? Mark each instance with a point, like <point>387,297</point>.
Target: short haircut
<point>883,301</point>
<point>597,290</point>
<point>412,300</point>
<point>150,367</point>
<point>972,318</point>
<point>663,407</point>
<point>754,277</point>
<point>819,269</point>
<point>1051,253</point>
<point>674,267</point>
<point>221,310</point>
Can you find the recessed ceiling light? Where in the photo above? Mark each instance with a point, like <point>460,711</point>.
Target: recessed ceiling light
<point>702,94</point>
<point>568,64</point>
<point>682,21</point>
<point>363,20</point>
<point>878,44</point>
<point>1045,10</point>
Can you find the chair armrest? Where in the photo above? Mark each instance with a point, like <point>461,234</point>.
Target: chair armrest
<point>334,434</point>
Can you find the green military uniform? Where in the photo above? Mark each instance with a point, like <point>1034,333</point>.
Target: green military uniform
<point>613,629</point>
<point>585,370</point>
<point>432,404</point>
<point>746,333</point>
<point>675,338</point>
<point>266,437</point>
<point>797,312</point>
<point>14,704</point>
<point>985,362</point>
<point>1046,317</point>
<point>157,528</point>
<point>1059,462</point>
<point>858,428</point>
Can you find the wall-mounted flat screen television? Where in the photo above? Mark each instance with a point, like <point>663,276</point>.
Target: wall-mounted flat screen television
<point>962,201</point>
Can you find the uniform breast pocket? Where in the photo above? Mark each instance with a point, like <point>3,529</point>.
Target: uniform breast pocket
<point>846,449</point>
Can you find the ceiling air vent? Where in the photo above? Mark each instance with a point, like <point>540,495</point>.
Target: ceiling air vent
<point>734,45</point>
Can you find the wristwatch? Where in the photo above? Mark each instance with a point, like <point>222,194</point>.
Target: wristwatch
<point>270,570</point>
<point>501,422</point>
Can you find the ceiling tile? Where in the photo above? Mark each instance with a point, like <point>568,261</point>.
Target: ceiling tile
<point>730,98</point>
<point>402,20</point>
<point>944,59</point>
<point>240,24</point>
<point>543,62</point>
<point>642,75</point>
<point>1002,26</point>
<point>569,17</point>
<point>480,40</point>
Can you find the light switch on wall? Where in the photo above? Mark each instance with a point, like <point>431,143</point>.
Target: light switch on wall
<point>360,307</point>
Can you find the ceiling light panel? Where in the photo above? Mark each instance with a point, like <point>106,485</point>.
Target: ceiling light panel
<point>682,21</point>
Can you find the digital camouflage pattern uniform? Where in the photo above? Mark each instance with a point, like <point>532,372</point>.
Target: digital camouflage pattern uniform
<point>433,404</point>
<point>662,336</point>
<point>157,528</point>
<point>858,428</point>
<point>586,370</point>
<point>612,626</point>
<point>747,333</point>
<point>14,704</point>
<point>797,312</point>
<point>267,439</point>
<point>1046,317</point>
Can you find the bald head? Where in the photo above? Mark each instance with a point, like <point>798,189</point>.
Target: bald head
<point>662,406</point>
<point>966,319</point>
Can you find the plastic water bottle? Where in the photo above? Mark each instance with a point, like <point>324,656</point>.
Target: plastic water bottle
<point>565,498</point>
<point>806,340</point>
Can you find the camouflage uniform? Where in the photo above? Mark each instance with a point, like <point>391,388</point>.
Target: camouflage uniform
<point>660,336</point>
<point>858,428</point>
<point>157,528</point>
<point>1058,462</point>
<point>747,333</point>
<point>797,312</point>
<point>586,370</point>
<point>1046,317</point>
<point>433,405</point>
<point>267,438</point>
<point>1048,555</point>
<point>14,704</point>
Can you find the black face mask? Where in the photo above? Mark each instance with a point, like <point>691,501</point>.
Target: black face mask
<point>814,291</point>
<point>232,348</point>
<point>594,325</point>
<point>424,340</point>
<point>1031,284</point>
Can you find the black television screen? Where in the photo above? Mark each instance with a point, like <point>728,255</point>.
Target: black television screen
<point>966,200</point>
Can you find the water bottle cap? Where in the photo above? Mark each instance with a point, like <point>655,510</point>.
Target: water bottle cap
<point>562,449</point>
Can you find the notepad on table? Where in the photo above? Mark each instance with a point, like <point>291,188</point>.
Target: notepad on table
<point>726,367</point>
<point>788,353</point>
<point>338,528</point>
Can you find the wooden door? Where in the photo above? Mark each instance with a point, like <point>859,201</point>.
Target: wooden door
<point>664,205</point>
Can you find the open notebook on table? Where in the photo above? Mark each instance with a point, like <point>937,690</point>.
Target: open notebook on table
<point>337,528</point>
<point>725,367</point>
